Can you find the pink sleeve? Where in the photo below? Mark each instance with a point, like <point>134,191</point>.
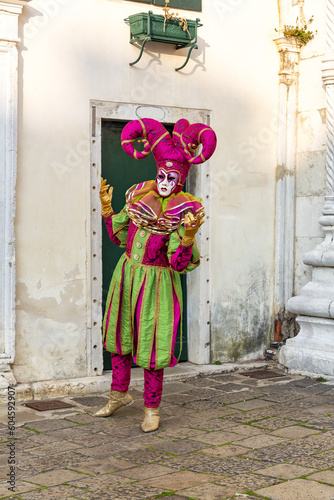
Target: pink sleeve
<point>181,258</point>
<point>108,223</point>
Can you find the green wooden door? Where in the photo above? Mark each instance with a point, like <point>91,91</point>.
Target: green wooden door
<point>121,172</point>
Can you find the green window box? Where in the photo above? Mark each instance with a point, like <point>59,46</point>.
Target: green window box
<point>176,4</point>
<point>147,26</point>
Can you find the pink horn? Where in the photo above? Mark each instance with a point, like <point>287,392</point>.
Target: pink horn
<point>132,131</point>
<point>193,136</point>
<point>179,127</point>
<point>154,134</point>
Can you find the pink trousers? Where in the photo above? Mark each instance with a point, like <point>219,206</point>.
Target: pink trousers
<point>121,373</point>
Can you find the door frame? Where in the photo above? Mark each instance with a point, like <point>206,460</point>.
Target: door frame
<point>198,281</point>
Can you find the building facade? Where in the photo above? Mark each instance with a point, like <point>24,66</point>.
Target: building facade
<point>64,69</point>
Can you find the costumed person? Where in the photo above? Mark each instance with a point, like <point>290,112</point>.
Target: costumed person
<point>157,227</point>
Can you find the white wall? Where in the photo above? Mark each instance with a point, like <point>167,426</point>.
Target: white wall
<point>76,50</point>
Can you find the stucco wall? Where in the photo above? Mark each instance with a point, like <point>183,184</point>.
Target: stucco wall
<point>76,50</point>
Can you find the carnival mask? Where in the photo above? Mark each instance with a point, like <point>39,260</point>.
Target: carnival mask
<point>166,182</point>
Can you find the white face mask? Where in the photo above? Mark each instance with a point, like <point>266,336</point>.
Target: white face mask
<point>166,182</point>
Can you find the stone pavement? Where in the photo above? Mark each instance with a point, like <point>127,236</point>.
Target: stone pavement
<point>221,436</point>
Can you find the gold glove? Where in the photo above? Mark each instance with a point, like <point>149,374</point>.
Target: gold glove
<point>192,225</point>
<point>106,197</point>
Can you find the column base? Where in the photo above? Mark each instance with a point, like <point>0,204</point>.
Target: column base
<point>6,376</point>
<point>311,352</point>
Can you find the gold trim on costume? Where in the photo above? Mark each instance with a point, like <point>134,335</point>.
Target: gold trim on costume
<point>127,140</point>
<point>158,140</point>
<point>199,135</point>
<point>141,318</point>
<point>143,128</point>
<point>185,147</point>
<point>109,305</point>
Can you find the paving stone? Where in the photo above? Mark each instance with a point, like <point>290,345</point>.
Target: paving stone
<point>230,387</point>
<point>197,463</point>
<point>177,497</point>
<point>317,442</point>
<point>292,489</point>
<point>20,487</point>
<point>179,480</point>
<point>225,451</point>
<point>286,471</point>
<point>251,404</point>
<point>134,492</point>
<point>278,454</point>
<point>144,456</point>
<point>228,378</point>
<point>22,417</point>
<point>184,432</point>
<point>63,492</point>
<point>179,399</point>
<point>247,482</point>
<point>146,471</point>
<point>60,446</point>
<point>282,396</point>
<point>49,425</point>
<point>79,433</point>
<point>294,432</point>
<point>175,423</point>
<point>326,476</point>
<point>204,463</point>
<point>326,455</point>
<point>260,441</point>
<point>243,430</point>
<point>213,425</point>
<point>59,460</point>
<point>217,438</point>
<point>221,412</point>
<point>180,446</point>
<point>321,423</point>
<point>208,492</point>
<point>55,477</point>
<point>304,382</point>
<point>254,415</point>
<point>201,405</point>
<point>103,466</point>
<point>105,450</point>
<point>131,432</point>
<point>244,497</point>
<point>103,481</point>
<point>312,461</point>
<point>273,423</point>
<point>92,440</point>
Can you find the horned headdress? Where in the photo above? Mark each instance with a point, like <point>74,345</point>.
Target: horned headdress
<point>175,153</point>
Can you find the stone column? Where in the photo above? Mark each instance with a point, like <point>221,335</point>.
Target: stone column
<point>289,51</point>
<point>311,352</point>
<point>9,14</point>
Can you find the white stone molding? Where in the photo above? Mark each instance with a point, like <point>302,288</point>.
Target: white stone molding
<point>289,51</point>
<point>312,350</point>
<point>198,282</point>
<point>9,14</point>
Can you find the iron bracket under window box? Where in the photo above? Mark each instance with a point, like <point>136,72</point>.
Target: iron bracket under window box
<point>149,27</point>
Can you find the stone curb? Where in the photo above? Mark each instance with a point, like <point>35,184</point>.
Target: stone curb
<point>101,383</point>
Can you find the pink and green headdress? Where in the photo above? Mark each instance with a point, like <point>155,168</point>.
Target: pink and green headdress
<point>176,153</point>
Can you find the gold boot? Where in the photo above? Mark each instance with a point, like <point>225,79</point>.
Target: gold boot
<point>151,419</point>
<point>117,399</point>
